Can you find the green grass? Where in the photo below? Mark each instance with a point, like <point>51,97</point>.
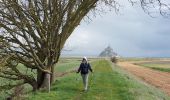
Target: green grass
<point>162,69</point>
<point>62,66</point>
<point>156,66</point>
<point>107,83</point>
<point>5,93</point>
<point>104,85</point>
<point>65,64</point>
<point>137,59</point>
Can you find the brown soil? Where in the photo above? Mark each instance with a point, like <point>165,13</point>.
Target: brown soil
<point>159,79</point>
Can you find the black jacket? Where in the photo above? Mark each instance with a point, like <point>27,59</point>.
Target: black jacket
<point>83,67</point>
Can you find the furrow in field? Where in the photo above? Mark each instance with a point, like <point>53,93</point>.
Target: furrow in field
<point>156,78</point>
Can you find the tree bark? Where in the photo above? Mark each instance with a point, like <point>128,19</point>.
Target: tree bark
<point>46,82</point>
<point>53,74</point>
<point>33,83</point>
<point>40,78</point>
<point>43,80</point>
<point>34,86</point>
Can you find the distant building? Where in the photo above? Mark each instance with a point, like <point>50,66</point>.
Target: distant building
<point>108,52</point>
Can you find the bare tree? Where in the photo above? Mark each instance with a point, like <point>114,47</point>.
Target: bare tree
<point>35,32</point>
<point>153,6</point>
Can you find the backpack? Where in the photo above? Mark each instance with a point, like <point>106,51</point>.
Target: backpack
<point>85,68</point>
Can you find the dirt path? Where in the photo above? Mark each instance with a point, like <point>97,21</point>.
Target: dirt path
<point>61,74</point>
<point>156,78</point>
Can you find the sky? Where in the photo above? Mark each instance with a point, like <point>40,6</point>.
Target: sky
<point>131,33</point>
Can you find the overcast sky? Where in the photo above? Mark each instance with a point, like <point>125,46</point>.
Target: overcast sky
<point>131,33</point>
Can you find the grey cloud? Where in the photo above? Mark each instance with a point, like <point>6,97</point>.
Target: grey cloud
<point>132,33</point>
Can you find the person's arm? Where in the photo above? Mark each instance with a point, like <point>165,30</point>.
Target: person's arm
<point>90,67</point>
<point>79,68</point>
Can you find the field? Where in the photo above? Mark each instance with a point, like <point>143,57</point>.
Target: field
<point>154,72</point>
<point>157,65</point>
<point>108,82</point>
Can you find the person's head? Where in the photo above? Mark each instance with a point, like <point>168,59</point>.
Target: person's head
<point>84,60</point>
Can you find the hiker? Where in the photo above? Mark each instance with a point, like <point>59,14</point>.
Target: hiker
<point>84,69</point>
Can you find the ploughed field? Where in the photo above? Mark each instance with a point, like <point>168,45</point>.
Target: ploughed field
<point>154,72</point>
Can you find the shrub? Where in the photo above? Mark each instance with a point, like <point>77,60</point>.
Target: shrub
<point>114,59</point>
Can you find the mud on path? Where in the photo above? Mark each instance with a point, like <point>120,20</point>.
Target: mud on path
<point>159,79</point>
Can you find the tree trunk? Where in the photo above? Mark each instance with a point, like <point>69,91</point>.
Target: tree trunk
<point>40,78</point>
<point>43,80</point>
<point>32,82</point>
<point>34,86</point>
<point>53,74</point>
<point>46,82</point>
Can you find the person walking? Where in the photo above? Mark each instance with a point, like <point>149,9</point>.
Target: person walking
<point>84,69</point>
